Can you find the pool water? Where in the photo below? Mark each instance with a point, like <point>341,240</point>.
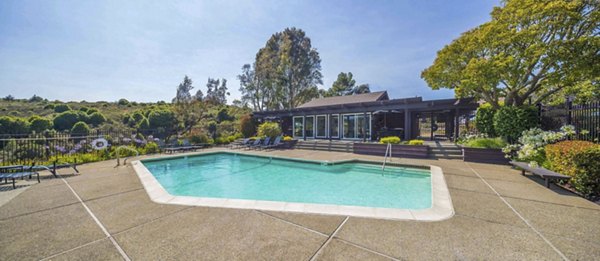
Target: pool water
<point>236,176</point>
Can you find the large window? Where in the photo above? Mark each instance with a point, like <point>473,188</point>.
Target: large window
<point>309,126</point>
<point>363,126</point>
<point>321,126</point>
<point>298,126</point>
<point>356,126</point>
<point>349,126</point>
<point>334,126</point>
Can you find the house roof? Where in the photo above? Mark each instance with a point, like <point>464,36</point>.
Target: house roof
<point>338,100</point>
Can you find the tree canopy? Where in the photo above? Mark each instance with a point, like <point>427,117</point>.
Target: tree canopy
<point>530,50</point>
<point>216,92</point>
<point>289,69</point>
<point>188,109</point>
<point>346,85</point>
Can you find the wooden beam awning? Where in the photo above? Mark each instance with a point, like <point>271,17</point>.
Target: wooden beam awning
<point>411,104</point>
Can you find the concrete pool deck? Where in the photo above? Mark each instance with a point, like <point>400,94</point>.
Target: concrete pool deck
<point>105,213</point>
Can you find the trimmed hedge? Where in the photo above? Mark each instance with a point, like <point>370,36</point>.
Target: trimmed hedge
<point>390,139</point>
<point>416,142</point>
<point>510,121</point>
<point>484,119</point>
<point>486,143</point>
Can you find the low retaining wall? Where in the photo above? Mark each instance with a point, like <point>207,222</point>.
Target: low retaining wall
<point>406,151</point>
<point>494,156</point>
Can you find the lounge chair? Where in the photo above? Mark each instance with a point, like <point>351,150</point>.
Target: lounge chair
<point>19,173</point>
<point>239,144</point>
<point>276,143</point>
<point>265,143</point>
<point>253,144</point>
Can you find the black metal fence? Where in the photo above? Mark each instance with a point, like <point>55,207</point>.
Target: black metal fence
<point>24,149</point>
<point>585,117</point>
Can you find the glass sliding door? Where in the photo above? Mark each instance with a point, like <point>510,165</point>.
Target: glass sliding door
<point>356,126</point>
<point>334,126</point>
<point>363,126</point>
<point>349,126</point>
<point>321,127</point>
<point>298,127</point>
<point>309,126</point>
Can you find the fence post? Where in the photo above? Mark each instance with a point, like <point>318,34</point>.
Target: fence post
<point>569,108</point>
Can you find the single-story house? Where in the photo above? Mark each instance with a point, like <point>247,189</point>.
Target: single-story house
<point>370,116</point>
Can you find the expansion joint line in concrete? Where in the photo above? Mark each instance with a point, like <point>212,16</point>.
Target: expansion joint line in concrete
<point>325,235</point>
<point>519,215</point>
<point>104,230</point>
<point>314,257</point>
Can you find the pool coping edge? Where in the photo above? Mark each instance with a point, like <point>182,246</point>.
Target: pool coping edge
<point>441,209</point>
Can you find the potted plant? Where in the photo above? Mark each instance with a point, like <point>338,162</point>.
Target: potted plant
<point>288,142</point>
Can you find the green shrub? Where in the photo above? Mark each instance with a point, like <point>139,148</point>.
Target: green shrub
<point>587,179</point>
<point>61,108</point>
<point>486,143</point>
<point>247,125</point>
<point>96,119</point>
<point>484,119</point>
<point>12,125</point>
<point>221,140</point>
<point>84,109</point>
<point>91,111</point>
<point>137,117</point>
<point>390,139</point>
<point>39,124</point>
<point>223,115</point>
<point>269,129</point>
<point>123,102</point>
<point>416,142</point>
<point>164,119</point>
<point>80,128</point>
<point>144,124</point>
<point>199,139</point>
<point>151,147</point>
<point>66,120</point>
<point>232,138</point>
<point>125,151</point>
<point>49,107</point>
<point>510,121</point>
<point>561,156</point>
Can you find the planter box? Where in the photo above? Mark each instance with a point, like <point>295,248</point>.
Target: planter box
<point>494,156</point>
<point>398,150</point>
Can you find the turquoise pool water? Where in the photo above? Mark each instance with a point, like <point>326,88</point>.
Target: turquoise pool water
<point>235,176</point>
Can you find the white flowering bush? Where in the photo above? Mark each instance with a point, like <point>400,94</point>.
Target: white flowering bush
<point>468,136</point>
<point>532,142</point>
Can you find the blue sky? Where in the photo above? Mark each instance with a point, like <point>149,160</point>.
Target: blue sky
<point>140,50</point>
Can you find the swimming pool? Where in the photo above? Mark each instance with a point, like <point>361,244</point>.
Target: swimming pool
<point>247,181</point>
